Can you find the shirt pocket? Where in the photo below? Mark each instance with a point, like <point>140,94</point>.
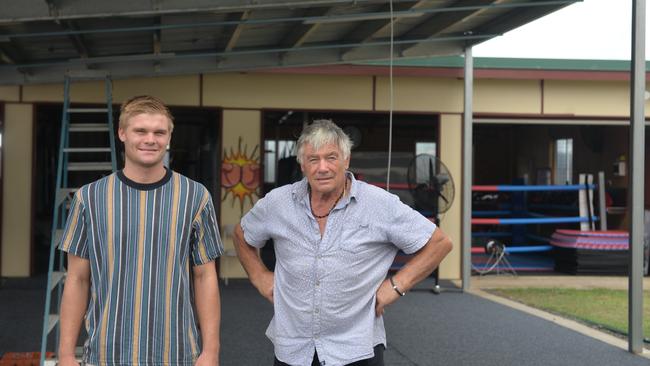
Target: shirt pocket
<point>357,237</point>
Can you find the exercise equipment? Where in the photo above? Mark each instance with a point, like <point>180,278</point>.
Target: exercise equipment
<point>516,214</point>
<point>591,252</point>
<point>497,259</point>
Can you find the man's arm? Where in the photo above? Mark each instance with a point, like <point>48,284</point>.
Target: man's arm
<point>415,270</point>
<point>259,275</point>
<point>73,307</point>
<point>208,308</point>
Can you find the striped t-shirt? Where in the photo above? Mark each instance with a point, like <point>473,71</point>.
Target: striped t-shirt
<point>141,241</point>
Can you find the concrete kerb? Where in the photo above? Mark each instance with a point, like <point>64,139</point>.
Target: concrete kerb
<point>567,323</point>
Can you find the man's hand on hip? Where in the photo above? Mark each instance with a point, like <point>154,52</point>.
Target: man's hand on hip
<point>207,359</point>
<point>67,361</point>
<point>264,284</point>
<point>385,296</point>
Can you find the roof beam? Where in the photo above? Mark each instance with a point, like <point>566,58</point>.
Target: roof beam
<point>514,18</point>
<point>299,34</point>
<point>411,13</point>
<point>52,9</point>
<point>257,51</point>
<point>76,39</point>
<point>12,51</point>
<point>4,57</point>
<point>231,32</point>
<point>437,23</point>
<point>156,38</point>
<point>370,28</point>
<point>236,31</point>
<point>40,10</point>
<point>176,66</point>
<point>156,46</point>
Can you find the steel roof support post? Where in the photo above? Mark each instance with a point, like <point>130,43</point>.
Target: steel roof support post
<point>636,183</point>
<point>466,236</point>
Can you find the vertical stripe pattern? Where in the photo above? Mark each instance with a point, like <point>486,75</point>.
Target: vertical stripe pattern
<point>142,241</point>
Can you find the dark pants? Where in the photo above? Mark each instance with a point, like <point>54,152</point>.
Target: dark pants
<point>377,360</point>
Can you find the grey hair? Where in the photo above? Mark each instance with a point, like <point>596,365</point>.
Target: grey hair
<point>323,132</point>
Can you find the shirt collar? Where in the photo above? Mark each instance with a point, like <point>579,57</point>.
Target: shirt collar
<point>300,192</point>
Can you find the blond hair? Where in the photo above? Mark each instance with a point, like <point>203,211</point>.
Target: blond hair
<point>144,104</point>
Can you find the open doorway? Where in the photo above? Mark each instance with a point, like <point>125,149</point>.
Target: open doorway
<point>543,158</point>
<point>194,152</point>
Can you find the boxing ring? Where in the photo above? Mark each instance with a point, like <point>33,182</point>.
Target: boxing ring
<point>505,237</point>
<point>519,233</point>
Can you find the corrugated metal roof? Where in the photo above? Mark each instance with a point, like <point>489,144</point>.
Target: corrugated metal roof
<point>42,39</point>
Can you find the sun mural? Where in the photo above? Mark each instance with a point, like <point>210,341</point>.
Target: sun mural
<point>240,175</point>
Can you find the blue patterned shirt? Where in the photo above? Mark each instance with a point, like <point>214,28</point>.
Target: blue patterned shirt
<point>325,287</point>
<point>141,241</point>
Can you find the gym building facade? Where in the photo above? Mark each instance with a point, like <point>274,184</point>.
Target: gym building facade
<point>536,122</point>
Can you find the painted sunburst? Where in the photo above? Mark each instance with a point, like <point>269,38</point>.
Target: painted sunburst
<point>240,175</point>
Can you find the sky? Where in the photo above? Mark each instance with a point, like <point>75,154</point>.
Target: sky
<point>591,29</point>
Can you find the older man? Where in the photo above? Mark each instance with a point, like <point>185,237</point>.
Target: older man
<point>335,239</point>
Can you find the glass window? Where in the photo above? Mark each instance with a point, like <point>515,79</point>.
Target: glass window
<point>425,148</point>
<point>284,149</point>
<point>422,170</point>
<point>563,161</point>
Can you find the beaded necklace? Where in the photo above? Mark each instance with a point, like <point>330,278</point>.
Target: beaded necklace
<point>345,186</point>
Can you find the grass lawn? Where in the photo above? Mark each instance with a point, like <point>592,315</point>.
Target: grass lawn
<point>601,307</point>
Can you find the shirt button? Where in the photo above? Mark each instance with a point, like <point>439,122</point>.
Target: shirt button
<point>316,311</point>
<point>319,256</point>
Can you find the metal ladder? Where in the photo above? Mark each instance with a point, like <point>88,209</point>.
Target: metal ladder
<point>74,167</point>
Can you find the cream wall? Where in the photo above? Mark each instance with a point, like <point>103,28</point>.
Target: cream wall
<point>10,93</point>
<point>17,190</point>
<point>288,91</point>
<point>451,133</point>
<point>420,94</point>
<point>244,124</point>
<point>587,98</point>
<point>507,96</point>
<point>446,95</point>
<point>173,90</point>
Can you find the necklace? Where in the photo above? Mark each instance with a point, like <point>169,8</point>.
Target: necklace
<point>345,186</point>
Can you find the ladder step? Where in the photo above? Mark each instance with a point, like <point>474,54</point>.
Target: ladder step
<point>63,194</point>
<point>89,166</point>
<point>86,149</point>
<point>57,276</point>
<point>52,322</point>
<point>87,110</point>
<point>88,127</point>
<point>82,169</point>
<point>58,235</point>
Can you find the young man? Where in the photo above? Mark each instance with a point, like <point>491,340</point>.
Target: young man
<point>141,245</point>
<point>335,239</point>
